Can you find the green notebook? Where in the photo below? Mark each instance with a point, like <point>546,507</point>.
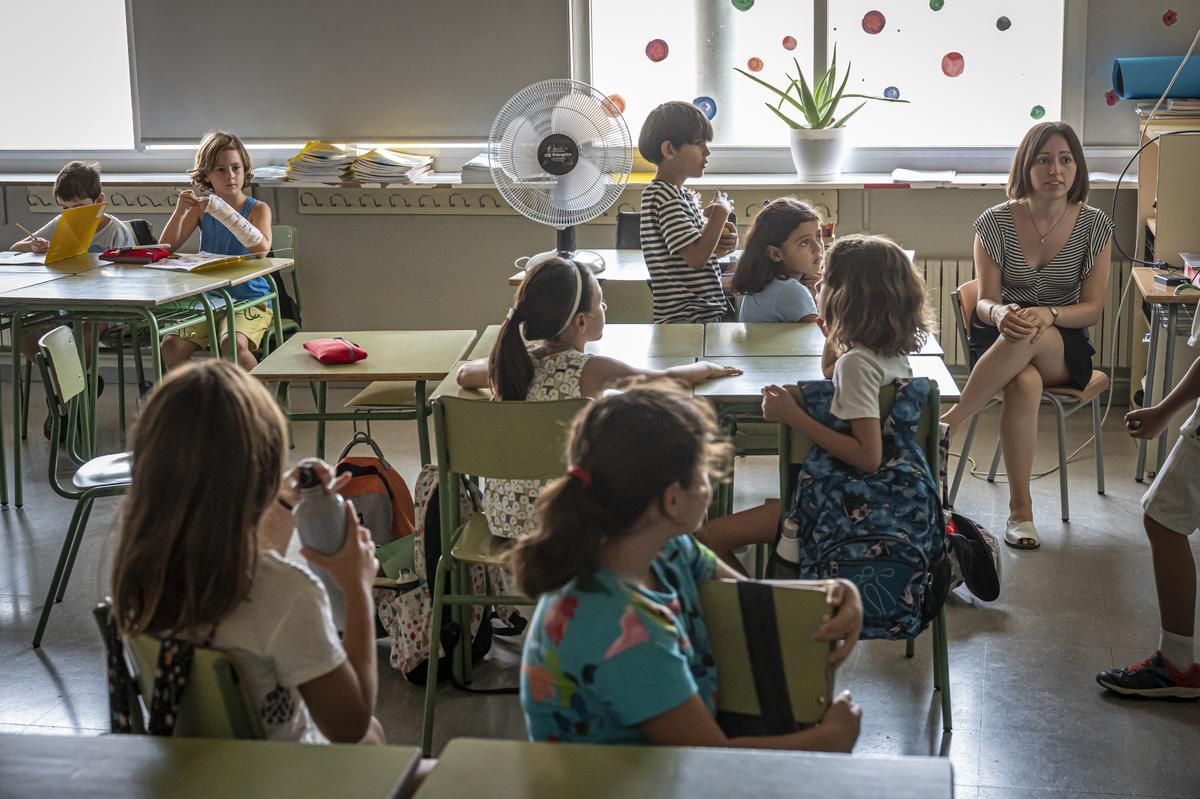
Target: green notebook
<point>771,676</point>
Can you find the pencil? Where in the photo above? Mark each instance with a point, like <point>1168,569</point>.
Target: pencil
<point>25,230</point>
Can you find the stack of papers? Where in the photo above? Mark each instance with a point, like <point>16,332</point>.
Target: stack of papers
<point>270,174</point>
<point>922,176</point>
<point>478,170</point>
<point>319,162</point>
<point>382,165</point>
<point>1174,107</point>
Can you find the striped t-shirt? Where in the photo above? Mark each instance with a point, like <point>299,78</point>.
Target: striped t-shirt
<point>1059,282</point>
<point>671,220</point>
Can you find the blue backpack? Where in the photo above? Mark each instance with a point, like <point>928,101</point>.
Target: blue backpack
<point>884,531</point>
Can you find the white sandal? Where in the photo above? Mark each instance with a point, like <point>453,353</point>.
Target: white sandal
<point>1021,535</point>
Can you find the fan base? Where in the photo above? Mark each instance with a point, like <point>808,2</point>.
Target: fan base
<point>593,261</point>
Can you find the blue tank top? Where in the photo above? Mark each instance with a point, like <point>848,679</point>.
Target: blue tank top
<point>218,239</point>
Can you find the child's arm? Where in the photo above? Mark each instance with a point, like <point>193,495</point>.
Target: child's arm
<point>601,372</point>
<point>184,219</point>
<point>697,253</point>
<point>1148,423</point>
<point>863,448</point>
<point>829,355</point>
<point>260,218</point>
<point>473,374</point>
<point>342,701</point>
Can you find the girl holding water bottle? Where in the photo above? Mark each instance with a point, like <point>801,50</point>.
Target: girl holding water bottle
<point>202,536</point>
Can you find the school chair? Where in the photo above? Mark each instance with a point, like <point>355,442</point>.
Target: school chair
<point>475,438</point>
<point>1065,399</point>
<point>797,446</point>
<point>143,234</point>
<point>629,230</point>
<point>216,702</point>
<point>104,476</point>
<point>283,245</point>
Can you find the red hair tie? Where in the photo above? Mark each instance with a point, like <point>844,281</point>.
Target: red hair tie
<point>581,474</point>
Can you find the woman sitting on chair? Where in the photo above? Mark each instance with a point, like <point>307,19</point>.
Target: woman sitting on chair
<point>1042,261</point>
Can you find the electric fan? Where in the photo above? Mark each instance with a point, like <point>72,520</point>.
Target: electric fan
<point>560,154</point>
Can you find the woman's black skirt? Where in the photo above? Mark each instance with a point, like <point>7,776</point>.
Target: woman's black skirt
<point>1077,350</point>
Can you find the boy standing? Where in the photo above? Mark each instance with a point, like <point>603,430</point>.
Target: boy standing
<point>1172,513</point>
<point>678,239</point>
<point>78,184</point>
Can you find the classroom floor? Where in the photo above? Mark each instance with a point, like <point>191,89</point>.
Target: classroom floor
<point>1029,720</point>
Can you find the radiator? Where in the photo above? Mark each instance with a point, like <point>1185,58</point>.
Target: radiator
<point>944,275</point>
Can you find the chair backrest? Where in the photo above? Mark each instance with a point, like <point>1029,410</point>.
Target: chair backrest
<point>143,234</point>
<point>965,298</point>
<point>59,357</point>
<point>504,440</point>
<point>283,241</point>
<point>798,445</point>
<point>628,301</point>
<point>283,245</point>
<point>629,230</point>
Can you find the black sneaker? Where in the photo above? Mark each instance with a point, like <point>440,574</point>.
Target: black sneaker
<point>976,566</point>
<point>1153,678</point>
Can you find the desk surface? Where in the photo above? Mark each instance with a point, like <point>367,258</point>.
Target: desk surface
<point>117,286</point>
<point>727,339</point>
<point>767,370</point>
<point>632,344</point>
<point>145,766</point>
<point>449,386</point>
<point>391,355</point>
<point>68,266</point>
<point>1143,278</point>
<point>511,769</point>
<point>246,270</point>
<point>14,281</point>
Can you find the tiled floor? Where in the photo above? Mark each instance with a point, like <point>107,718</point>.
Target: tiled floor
<point>1029,720</point>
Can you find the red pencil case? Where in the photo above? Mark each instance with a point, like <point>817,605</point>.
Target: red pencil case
<point>135,255</point>
<point>335,350</point>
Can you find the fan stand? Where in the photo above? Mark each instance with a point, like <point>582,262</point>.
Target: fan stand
<point>565,248</point>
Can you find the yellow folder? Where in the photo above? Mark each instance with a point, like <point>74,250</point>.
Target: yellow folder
<point>74,232</point>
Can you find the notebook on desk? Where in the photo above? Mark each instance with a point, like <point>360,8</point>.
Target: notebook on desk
<point>193,261</point>
<point>74,232</point>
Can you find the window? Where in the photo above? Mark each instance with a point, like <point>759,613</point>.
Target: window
<point>976,73</point>
<point>75,93</point>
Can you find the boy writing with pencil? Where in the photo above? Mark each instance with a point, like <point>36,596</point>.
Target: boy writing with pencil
<point>679,241</point>
<point>78,184</point>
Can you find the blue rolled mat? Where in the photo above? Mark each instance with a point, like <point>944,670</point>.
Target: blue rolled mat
<point>1145,78</point>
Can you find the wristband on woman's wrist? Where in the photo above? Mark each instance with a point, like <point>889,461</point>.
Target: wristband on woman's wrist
<point>992,315</point>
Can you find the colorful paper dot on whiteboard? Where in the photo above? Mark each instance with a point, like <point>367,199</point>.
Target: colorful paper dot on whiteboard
<point>743,5</point>
<point>789,42</point>
<point>873,22</point>
<point>1170,18</point>
<point>657,50</point>
<point>618,101</point>
<point>755,64</point>
<point>1037,112</point>
<point>952,64</point>
<point>1003,24</point>
<point>707,105</point>
<point>892,93</point>
<point>936,5</point>
<point>1110,97</point>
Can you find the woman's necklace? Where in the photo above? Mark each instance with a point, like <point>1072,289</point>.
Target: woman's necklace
<point>1042,236</point>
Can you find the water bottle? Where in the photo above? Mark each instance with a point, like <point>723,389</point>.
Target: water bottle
<point>320,516</point>
<point>788,547</point>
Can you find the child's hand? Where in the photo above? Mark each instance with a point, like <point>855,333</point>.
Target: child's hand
<point>720,200</point>
<point>716,370</point>
<point>354,566</point>
<point>38,245</point>
<point>846,624</point>
<point>729,239</point>
<point>823,325</point>
<point>189,200</point>
<point>841,723</point>
<point>778,405</point>
<point>1146,423</point>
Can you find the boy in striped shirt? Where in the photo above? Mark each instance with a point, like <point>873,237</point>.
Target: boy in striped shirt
<point>679,240</point>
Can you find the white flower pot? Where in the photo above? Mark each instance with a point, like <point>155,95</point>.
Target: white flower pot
<point>818,154</point>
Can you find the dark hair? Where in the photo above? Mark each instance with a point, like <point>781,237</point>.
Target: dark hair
<point>1035,139</point>
<point>208,456</point>
<point>78,181</point>
<point>677,122</point>
<point>873,297</point>
<point>635,444</point>
<point>211,146</point>
<point>771,228</point>
<point>541,310</point>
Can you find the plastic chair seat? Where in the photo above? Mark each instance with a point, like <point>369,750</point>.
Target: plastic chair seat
<point>1096,386</point>
<point>386,394</point>
<point>476,544</point>
<point>106,470</point>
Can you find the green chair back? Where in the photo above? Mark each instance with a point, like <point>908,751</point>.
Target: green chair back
<point>63,366</point>
<point>506,440</point>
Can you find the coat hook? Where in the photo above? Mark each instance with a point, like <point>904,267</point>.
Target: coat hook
<point>392,200</point>
<point>457,194</point>
<point>483,197</point>
<point>124,200</point>
<point>333,204</point>
<point>305,204</point>
<point>432,199</point>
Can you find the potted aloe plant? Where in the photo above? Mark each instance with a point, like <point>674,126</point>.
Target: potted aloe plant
<point>818,143</point>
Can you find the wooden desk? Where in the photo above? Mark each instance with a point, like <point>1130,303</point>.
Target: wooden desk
<point>449,386</point>
<point>728,339</point>
<point>627,265</point>
<point>632,344</point>
<point>80,263</point>
<point>767,370</point>
<point>392,355</point>
<point>1163,301</point>
<point>512,769</point>
<point>145,766</point>
<point>15,281</point>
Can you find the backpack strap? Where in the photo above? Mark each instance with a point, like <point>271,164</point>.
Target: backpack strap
<point>757,604</point>
<point>170,680</point>
<point>122,690</point>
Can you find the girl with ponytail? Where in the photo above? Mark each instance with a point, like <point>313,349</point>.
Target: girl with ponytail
<point>558,309</point>
<point>618,651</point>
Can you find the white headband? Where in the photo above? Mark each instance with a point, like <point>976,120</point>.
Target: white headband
<point>575,305</point>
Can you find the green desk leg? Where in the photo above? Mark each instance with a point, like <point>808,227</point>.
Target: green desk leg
<point>3,460</point>
<point>17,405</point>
<point>423,413</point>
<point>321,391</point>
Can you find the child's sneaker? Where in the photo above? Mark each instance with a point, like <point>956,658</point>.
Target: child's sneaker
<point>1153,678</point>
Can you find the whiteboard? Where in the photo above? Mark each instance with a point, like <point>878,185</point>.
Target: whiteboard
<point>354,70</point>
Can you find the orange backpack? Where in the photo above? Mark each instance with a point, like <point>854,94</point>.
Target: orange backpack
<point>380,495</point>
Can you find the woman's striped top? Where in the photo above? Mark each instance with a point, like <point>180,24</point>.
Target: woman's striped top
<point>1058,282</point>
<point>671,220</point>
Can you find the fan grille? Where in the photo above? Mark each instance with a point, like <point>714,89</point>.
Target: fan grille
<point>595,125</point>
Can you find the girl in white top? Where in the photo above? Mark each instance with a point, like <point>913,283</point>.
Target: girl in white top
<point>203,532</point>
<point>560,309</point>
